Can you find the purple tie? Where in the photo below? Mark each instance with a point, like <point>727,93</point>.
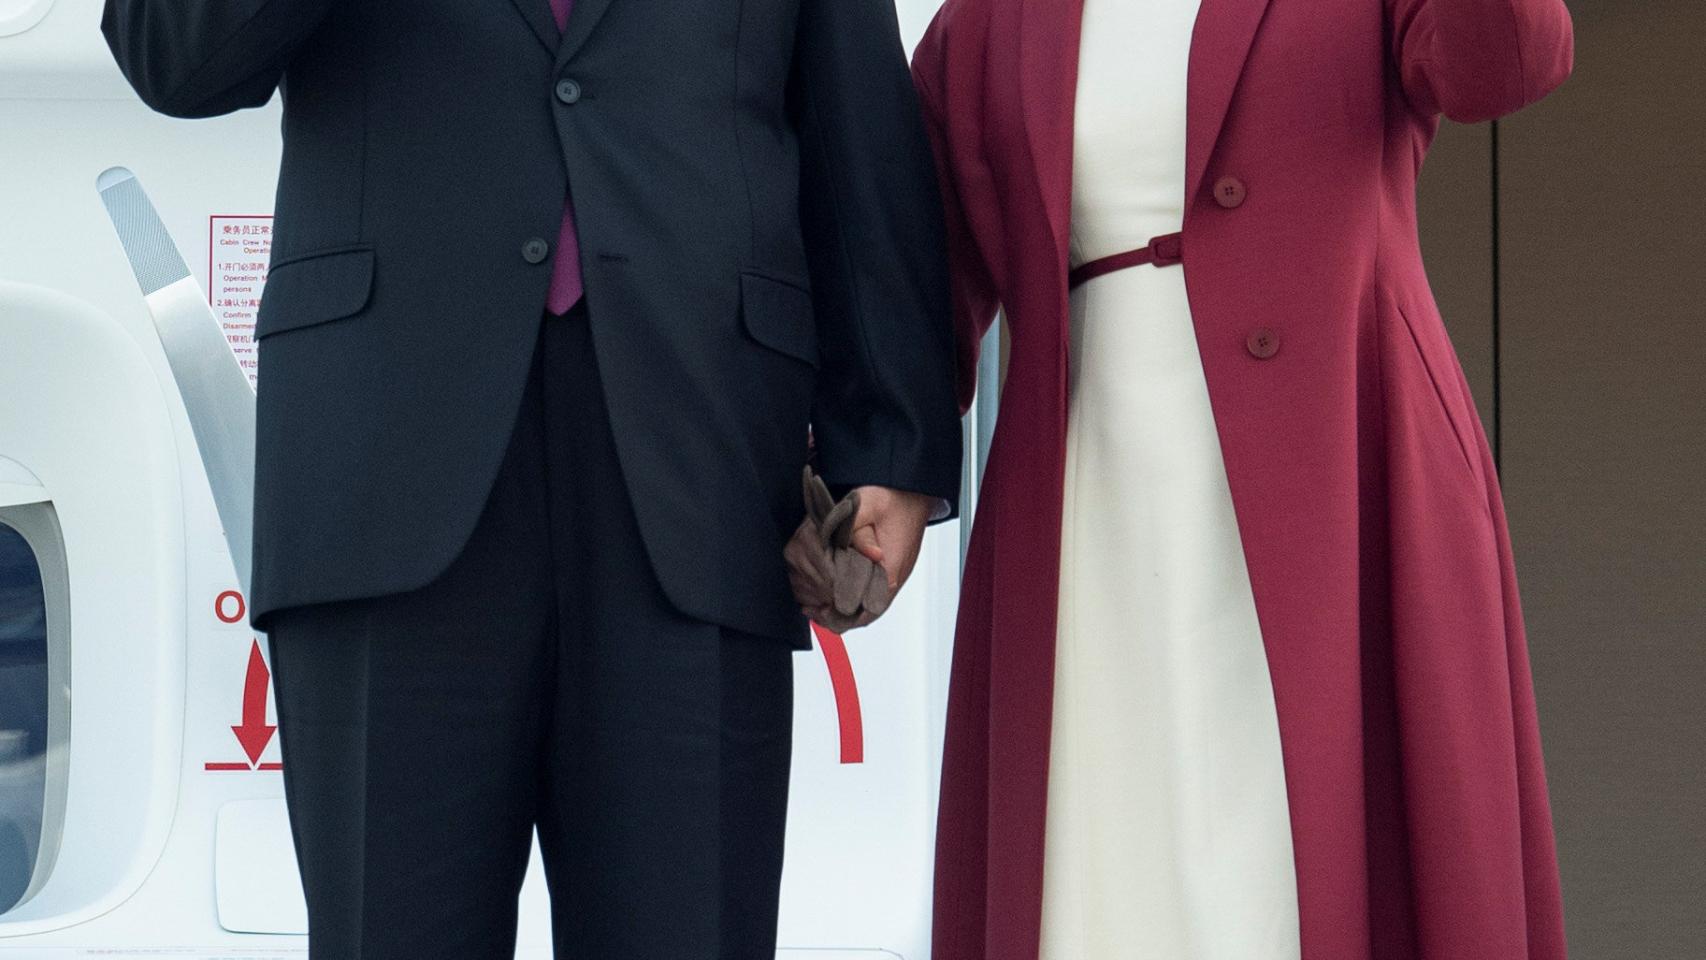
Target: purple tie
<point>565,287</point>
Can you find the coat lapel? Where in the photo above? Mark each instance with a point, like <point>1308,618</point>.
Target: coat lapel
<point>537,13</point>
<point>583,17</point>
<point>1048,78</point>
<point>1221,43</point>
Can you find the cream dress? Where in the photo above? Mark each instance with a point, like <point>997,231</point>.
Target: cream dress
<point>1168,835</point>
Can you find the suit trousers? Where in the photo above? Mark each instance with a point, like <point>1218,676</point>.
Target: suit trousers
<point>543,681</point>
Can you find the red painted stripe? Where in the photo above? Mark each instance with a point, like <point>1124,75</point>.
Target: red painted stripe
<point>842,682</point>
<point>846,689</point>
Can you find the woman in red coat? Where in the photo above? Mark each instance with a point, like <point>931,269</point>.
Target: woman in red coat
<point>1313,610</point>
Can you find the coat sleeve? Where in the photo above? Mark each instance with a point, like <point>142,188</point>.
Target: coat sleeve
<point>1476,60</point>
<point>870,217</point>
<point>203,58</point>
<point>972,291</point>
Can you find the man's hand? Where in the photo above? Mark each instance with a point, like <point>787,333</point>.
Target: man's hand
<point>889,529</point>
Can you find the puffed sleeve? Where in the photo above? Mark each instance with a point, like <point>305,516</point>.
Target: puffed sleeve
<point>1475,60</point>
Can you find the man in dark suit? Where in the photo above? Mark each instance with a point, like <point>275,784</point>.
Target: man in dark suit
<point>554,297</point>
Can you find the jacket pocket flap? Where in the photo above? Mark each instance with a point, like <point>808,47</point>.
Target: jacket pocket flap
<point>778,314</point>
<point>317,288</point>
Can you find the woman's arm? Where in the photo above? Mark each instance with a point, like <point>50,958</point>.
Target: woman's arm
<point>1475,60</point>
<point>972,292</point>
<point>203,58</point>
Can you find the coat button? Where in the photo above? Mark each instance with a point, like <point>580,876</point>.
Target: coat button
<point>535,250</point>
<point>1262,343</point>
<point>568,91</point>
<point>1229,192</point>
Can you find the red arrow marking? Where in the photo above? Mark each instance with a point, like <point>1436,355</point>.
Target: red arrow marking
<point>255,733</point>
<point>846,689</point>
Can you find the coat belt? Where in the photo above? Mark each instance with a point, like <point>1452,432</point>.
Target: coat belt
<point>1163,251</point>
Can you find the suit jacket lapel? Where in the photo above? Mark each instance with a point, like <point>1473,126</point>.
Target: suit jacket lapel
<point>1225,31</point>
<point>537,13</point>
<point>583,17</point>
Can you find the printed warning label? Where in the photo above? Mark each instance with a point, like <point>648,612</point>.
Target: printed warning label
<point>238,250</point>
<point>254,735</point>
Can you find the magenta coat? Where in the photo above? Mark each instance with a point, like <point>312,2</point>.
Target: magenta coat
<point>1364,489</point>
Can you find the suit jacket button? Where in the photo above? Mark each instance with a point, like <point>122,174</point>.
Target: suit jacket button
<point>568,91</point>
<point>1229,192</point>
<point>535,250</point>
<point>1262,343</point>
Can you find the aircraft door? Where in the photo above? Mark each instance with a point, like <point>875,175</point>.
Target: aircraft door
<point>91,534</point>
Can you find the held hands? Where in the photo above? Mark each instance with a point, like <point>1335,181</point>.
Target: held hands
<point>848,559</point>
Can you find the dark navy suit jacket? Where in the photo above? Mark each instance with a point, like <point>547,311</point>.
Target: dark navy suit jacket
<point>761,245</point>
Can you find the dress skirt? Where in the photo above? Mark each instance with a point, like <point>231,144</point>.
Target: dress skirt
<point>1168,834</point>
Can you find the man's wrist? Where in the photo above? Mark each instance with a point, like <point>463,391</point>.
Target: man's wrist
<point>939,507</point>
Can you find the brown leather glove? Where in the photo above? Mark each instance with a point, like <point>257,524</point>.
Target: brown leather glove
<point>860,586</point>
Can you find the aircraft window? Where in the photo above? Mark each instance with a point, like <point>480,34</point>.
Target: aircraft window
<point>32,726</point>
